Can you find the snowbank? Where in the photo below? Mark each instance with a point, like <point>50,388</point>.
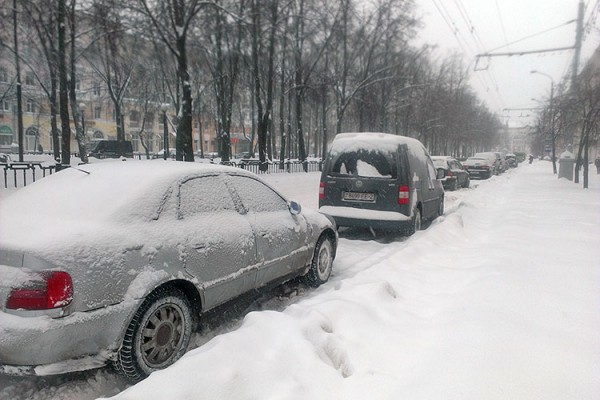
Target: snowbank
<point>498,299</point>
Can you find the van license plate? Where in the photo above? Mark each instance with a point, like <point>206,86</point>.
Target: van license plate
<point>358,196</point>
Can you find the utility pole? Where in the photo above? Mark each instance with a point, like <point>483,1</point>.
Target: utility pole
<point>578,38</point>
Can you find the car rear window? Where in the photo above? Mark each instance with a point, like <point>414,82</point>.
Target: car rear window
<point>364,163</point>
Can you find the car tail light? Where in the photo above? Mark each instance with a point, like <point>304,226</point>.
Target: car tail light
<point>321,190</point>
<point>449,173</point>
<point>50,289</point>
<point>403,195</point>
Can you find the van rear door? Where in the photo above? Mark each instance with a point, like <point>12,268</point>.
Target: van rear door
<point>366,179</point>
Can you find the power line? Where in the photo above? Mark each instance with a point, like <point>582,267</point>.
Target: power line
<point>464,44</point>
<point>501,22</point>
<point>533,35</point>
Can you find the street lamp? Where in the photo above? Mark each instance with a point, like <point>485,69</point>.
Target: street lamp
<point>553,136</point>
<point>164,107</point>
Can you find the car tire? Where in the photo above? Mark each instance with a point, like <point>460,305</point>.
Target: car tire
<point>322,261</point>
<point>416,222</point>
<point>441,207</point>
<point>467,182</point>
<point>158,334</point>
<point>454,186</point>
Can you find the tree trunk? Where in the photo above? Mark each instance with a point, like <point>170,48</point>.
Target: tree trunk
<point>79,128</point>
<point>63,86</point>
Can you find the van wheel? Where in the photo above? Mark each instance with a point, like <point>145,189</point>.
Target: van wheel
<point>416,222</point>
<point>441,207</point>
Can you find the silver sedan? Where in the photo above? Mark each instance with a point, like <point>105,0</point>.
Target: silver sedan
<point>117,261</point>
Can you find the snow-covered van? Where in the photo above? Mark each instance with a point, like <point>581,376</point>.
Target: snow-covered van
<point>380,181</point>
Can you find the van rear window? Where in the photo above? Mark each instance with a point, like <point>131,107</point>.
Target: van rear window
<point>365,163</point>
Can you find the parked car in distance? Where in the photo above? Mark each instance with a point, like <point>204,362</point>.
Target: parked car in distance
<point>5,158</point>
<point>380,181</point>
<point>161,153</point>
<point>481,166</point>
<point>501,162</point>
<point>495,158</point>
<point>124,258</point>
<point>109,149</point>
<point>455,175</point>
<point>512,160</point>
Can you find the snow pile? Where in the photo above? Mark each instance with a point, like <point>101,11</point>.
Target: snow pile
<point>498,299</point>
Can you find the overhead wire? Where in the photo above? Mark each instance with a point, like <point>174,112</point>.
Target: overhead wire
<point>464,43</point>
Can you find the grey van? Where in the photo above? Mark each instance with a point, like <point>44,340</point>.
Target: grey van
<point>380,181</point>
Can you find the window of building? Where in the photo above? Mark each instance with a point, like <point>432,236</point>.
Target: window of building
<point>98,135</point>
<point>134,118</point>
<point>97,112</point>
<point>3,74</point>
<point>96,89</point>
<point>77,84</point>
<point>30,106</point>
<point>32,137</point>
<point>4,105</point>
<point>149,118</point>
<point>29,78</point>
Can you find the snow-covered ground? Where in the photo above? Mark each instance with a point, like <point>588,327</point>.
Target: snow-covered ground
<point>498,299</point>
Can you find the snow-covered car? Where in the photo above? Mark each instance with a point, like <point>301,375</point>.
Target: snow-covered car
<point>455,175</point>
<point>481,166</point>
<point>512,160</point>
<point>115,262</point>
<point>380,181</point>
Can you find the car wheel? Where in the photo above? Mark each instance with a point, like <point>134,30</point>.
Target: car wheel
<point>416,222</point>
<point>158,334</point>
<point>322,261</point>
<point>454,185</point>
<point>441,207</point>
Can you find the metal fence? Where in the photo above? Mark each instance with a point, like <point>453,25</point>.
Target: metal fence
<point>21,173</point>
<point>18,174</point>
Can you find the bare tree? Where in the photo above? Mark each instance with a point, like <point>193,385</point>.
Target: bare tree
<point>172,20</point>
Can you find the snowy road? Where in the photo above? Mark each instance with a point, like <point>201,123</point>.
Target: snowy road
<point>489,302</point>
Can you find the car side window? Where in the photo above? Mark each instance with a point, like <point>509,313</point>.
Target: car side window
<point>256,196</point>
<point>204,195</point>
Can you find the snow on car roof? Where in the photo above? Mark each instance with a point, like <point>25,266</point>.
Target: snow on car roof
<point>97,191</point>
<point>355,141</point>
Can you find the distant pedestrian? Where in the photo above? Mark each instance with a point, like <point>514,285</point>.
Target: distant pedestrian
<point>597,164</point>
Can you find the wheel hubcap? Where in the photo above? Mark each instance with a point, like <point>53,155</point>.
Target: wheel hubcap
<point>162,335</point>
<point>324,261</point>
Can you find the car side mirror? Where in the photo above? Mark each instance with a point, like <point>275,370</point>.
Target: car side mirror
<point>440,173</point>
<point>295,207</point>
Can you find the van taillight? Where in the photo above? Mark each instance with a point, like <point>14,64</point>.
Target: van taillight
<point>321,190</point>
<point>49,289</point>
<point>403,195</point>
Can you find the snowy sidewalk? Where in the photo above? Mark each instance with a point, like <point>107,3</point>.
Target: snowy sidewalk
<point>499,299</point>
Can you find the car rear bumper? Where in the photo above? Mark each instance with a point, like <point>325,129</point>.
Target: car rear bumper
<point>480,173</point>
<point>46,346</point>
<point>364,218</point>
